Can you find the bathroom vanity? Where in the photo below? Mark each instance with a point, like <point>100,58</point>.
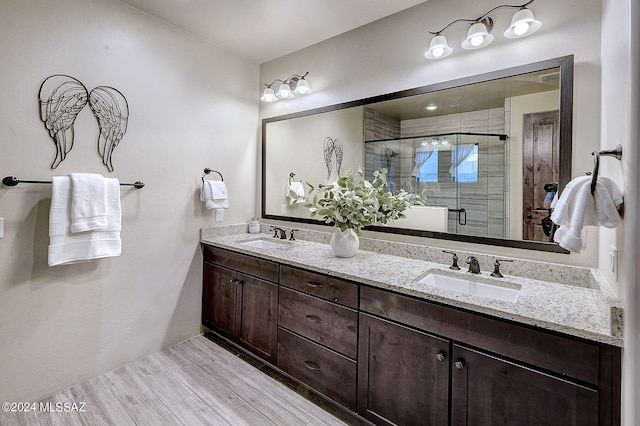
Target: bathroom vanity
<point>368,335</point>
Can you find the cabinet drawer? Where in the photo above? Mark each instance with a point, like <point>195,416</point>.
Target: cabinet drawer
<point>574,358</point>
<point>319,285</point>
<point>327,323</point>
<point>249,265</point>
<point>328,372</point>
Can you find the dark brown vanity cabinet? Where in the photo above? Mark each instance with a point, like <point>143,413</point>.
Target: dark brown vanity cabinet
<point>403,374</point>
<point>497,372</point>
<point>397,359</point>
<point>318,332</point>
<point>487,390</point>
<point>240,300</point>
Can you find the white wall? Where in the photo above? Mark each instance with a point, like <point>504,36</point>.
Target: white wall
<point>298,146</point>
<point>191,106</point>
<point>387,56</point>
<point>620,124</point>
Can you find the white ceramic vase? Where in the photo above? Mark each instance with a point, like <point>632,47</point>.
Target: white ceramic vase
<point>344,243</point>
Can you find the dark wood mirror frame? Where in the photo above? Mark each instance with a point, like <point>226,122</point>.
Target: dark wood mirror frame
<point>565,64</point>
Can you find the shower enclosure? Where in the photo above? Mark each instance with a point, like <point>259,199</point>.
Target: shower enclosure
<point>466,172</point>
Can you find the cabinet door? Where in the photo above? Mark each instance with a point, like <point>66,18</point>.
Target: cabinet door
<point>257,326</point>
<point>403,375</point>
<point>219,300</point>
<point>491,391</point>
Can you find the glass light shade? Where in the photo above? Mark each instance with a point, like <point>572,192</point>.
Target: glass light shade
<point>284,91</point>
<point>268,95</point>
<point>477,37</point>
<point>302,88</point>
<point>438,48</point>
<point>522,24</point>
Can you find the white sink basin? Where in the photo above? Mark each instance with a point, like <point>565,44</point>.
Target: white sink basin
<point>474,288</point>
<point>264,243</point>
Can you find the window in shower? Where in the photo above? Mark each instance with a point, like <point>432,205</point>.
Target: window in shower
<point>426,165</point>
<point>464,165</point>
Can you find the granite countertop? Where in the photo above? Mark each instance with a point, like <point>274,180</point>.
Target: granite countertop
<point>571,300</point>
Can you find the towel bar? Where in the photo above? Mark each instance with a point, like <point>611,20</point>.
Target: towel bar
<point>615,152</point>
<point>208,170</point>
<point>13,181</point>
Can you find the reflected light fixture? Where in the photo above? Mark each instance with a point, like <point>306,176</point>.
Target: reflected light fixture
<point>293,85</point>
<point>479,34</point>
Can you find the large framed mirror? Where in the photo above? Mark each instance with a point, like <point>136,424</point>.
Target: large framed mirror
<point>489,152</point>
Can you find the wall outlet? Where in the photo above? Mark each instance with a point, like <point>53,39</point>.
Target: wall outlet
<point>219,215</point>
<point>613,260</point>
<point>283,209</point>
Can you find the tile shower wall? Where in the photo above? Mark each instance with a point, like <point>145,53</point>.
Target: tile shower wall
<point>380,126</point>
<point>485,202</point>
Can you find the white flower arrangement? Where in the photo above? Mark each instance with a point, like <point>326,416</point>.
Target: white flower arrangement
<point>352,202</point>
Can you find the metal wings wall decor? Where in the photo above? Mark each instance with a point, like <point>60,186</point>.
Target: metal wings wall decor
<point>62,97</point>
<point>332,146</point>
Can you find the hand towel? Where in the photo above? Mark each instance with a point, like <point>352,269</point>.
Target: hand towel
<point>88,202</point>
<point>66,247</point>
<point>214,194</point>
<point>298,189</point>
<point>577,207</point>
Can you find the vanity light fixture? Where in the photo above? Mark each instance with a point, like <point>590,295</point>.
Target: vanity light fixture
<point>479,34</point>
<point>293,85</point>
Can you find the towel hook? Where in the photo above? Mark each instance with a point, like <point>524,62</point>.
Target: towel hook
<point>291,175</point>
<point>615,152</point>
<point>208,170</point>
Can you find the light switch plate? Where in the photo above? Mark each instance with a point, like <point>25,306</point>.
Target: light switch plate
<point>219,215</point>
<point>1,227</point>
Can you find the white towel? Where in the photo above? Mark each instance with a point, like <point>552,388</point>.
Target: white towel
<point>88,202</point>
<point>214,194</point>
<point>298,189</point>
<point>66,247</point>
<point>577,207</point>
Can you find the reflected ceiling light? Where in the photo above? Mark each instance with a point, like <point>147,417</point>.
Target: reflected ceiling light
<point>294,84</point>
<point>479,34</point>
<point>431,107</point>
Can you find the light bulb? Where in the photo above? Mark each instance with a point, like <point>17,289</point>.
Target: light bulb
<point>476,40</point>
<point>437,52</point>
<point>521,28</point>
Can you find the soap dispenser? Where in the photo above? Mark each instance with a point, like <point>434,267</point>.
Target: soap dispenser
<point>254,226</point>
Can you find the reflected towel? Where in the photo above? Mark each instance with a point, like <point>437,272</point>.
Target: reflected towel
<point>66,247</point>
<point>577,208</point>
<point>88,202</point>
<point>214,194</point>
<point>298,189</point>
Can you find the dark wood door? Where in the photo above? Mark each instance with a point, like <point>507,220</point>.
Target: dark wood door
<point>257,326</point>
<point>540,163</point>
<point>490,391</point>
<point>219,300</point>
<point>403,375</point>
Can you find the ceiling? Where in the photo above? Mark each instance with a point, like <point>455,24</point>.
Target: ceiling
<point>262,30</point>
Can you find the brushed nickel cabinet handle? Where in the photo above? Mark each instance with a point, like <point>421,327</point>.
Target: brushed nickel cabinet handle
<point>314,318</point>
<point>312,365</point>
<point>459,364</point>
<point>440,356</point>
<point>314,284</point>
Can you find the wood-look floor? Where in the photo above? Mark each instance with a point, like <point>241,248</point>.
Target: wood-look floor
<point>196,382</point>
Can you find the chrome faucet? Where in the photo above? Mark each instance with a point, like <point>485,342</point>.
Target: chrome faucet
<point>276,231</point>
<point>474,266</point>
<point>496,267</point>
